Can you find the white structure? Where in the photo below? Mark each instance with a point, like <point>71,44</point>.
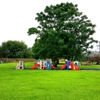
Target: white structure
<point>42,63</point>
<point>20,65</point>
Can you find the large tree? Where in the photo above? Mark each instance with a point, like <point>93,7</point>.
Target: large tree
<point>15,49</point>
<point>63,32</point>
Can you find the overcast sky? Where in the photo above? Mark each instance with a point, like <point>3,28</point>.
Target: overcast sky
<point>17,16</point>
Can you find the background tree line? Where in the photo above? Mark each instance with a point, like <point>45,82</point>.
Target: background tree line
<point>15,49</point>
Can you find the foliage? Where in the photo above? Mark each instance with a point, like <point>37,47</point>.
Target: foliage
<point>63,32</point>
<point>15,49</point>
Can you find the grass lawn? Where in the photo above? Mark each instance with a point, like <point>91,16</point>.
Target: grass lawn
<point>48,84</point>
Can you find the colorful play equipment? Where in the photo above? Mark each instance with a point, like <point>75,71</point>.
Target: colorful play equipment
<point>21,65</point>
<point>43,65</point>
<point>69,65</point>
<point>35,66</point>
<point>47,65</point>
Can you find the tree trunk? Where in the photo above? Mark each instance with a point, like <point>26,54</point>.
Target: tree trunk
<point>55,62</point>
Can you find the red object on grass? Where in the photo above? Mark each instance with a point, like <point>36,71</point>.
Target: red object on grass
<point>44,67</point>
<point>63,67</point>
<point>35,66</point>
<point>77,68</point>
<point>72,66</point>
<point>53,67</point>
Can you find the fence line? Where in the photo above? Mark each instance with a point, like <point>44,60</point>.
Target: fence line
<point>17,59</point>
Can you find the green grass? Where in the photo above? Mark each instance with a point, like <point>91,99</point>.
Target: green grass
<point>91,66</point>
<point>48,84</point>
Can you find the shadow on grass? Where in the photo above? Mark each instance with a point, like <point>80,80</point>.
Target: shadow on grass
<point>98,69</point>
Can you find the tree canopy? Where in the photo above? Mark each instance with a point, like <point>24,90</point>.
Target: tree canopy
<point>15,49</point>
<point>63,32</point>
